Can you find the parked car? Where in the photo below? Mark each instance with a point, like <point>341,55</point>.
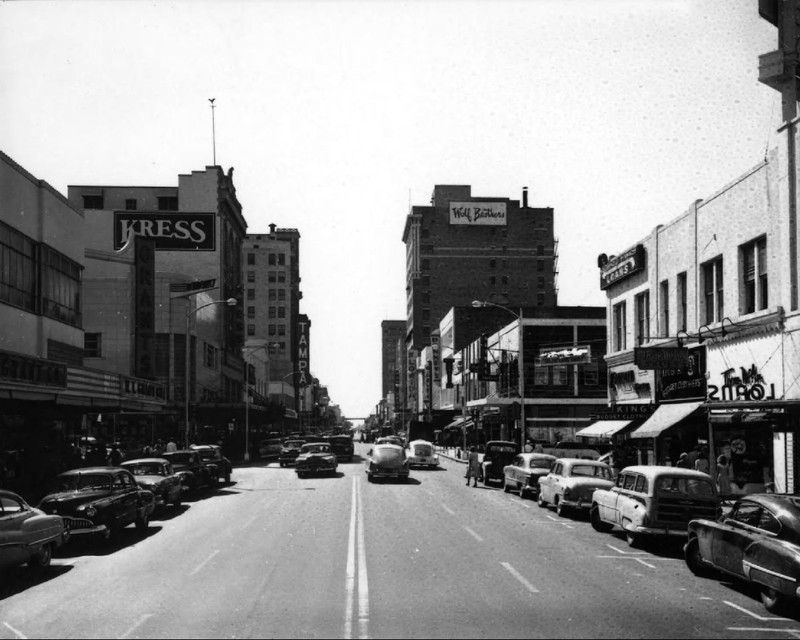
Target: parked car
<point>421,453</point>
<point>99,500</point>
<point>289,452</point>
<point>654,500</point>
<point>315,458</point>
<point>758,541</point>
<point>188,465</point>
<point>27,535</point>
<point>158,476</point>
<point>342,447</point>
<point>524,471</point>
<point>270,448</point>
<point>497,455</point>
<point>571,483</point>
<point>387,461</point>
<point>219,466</point>
<point>391,440</point>
<point>573,449</point>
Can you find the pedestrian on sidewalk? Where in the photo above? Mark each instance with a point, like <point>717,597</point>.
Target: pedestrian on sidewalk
<point>473,466</point>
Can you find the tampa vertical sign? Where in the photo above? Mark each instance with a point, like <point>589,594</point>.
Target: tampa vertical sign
<point>303,351</point>
<point>144,307</point>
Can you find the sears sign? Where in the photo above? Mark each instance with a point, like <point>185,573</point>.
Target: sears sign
<point>171,231</point>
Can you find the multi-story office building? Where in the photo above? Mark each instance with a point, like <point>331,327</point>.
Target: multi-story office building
<point>51,393</point>
<point>197,230</point>
<point>272,305</point>
<point>393,333</point>
<point>462,248</point>
<point>704,323</point>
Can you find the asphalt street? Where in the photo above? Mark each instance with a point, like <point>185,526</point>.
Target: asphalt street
<point>270,555</point>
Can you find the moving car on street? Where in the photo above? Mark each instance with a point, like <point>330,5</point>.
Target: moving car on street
<point>571,483</point>
<point>269,448</point>
<point>289,452</point>
<point>315,458</point>
<point>27,535</point>
<point>188,465</point>
<point>422,454</point>
<point>654,500</point>
<point>218,466</point>
<point>158,476</point>
<point>387,461</point>
<point>342,447</point>
<point>99,500</point>
<point>757,542</point>
<point>524,471</point>
<point>496,457</point>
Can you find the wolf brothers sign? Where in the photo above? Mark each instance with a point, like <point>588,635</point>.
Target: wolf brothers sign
<point>171,231</point>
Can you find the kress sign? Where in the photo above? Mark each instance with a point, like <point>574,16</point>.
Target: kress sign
<point>171,231</point>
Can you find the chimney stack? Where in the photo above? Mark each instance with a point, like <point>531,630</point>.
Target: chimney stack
<point>524,197</point>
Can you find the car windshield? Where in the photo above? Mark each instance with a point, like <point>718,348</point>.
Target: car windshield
<point>388,454</point>
<point>679,486</point>
<point>316,448</point>
<point>423,450</point>
<point>180,458</point>
<point>592,471</point>
<point>540,463</point>
<point>84,482</point>
<point>501,448</point>
<point>146,469</point>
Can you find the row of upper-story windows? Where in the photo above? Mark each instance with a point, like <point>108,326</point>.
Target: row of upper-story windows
<point>753,293</point>
<point>39,279</point>
<point>272,294</point>
<point>272,312</point>
<point>272,276</point>
<point>97,201</point>
<point>278,259</point>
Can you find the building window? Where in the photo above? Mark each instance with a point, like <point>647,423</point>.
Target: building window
<point>251,258</point>
<point>272,330</point>
<point>130,204</point>
<point>682,301</point>
<point>281,312</point>
<point>713,291</point>
<point>540,265</point>
<point>92,345</point>
<point>281,294</point>
<point>93,202</point>
<point>272,276</point>
<point>281,276</point>
<point>663,300</point>
<point>272,313</point>
<point>540,299</point>
<point>540,249</point>
<point>61,287</point>
<point>281,258</point>
<point>17,269</point>
<point>540,282</point>
<point>251,276</point>
<point>492,264</point>
<point>642,317</point>
<point>271,259</point>
<point>505,279</point>
<point>620,327</point>
<point>251,312</point>
<point>251,329</point>
<point>167,203</point>
<point>492,280</point>
<point>210,356</point>
<point>560,376</point>
<point>251,294</point>
<point>281,329</point>
<point>754,276</point>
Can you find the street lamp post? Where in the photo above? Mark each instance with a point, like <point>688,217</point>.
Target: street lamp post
<point>231,302</point>
<point>520,363</point>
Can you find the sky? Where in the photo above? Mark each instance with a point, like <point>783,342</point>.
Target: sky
<point>338,116</point>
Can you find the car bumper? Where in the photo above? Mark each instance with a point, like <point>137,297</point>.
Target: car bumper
<point>676,531</point>
<point>81,526</point>
<point>580,503</point>
<point>383,473</point>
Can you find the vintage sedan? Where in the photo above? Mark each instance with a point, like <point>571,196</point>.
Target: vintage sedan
<point>158,476</point>
<point>27,535</point>
<point>387,461</point>
<point>496,457</point>
<point>289,452</point>
<point>524,471</point>
<point>650,500</point>
<point>189,466</point>
<point>571,483</point>
<point>342,447</point>
<point>99,500</point>
<point>218,465</point>
<point>757,542</point>
<point>315,458</point>
<point>421,453</point>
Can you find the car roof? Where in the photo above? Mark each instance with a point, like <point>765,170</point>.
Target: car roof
<point>537,456</point>
<point>141,460</point>
<point>572,461</point>
<point>387,445</point>
<point>75,472</point>
<point>652,471</point>
<point>421,441</point>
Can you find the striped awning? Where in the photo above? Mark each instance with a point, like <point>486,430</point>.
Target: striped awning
<point>603,428</point>
<point>666,416</point>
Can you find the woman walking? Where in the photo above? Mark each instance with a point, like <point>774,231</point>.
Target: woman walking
<point>473,466</point>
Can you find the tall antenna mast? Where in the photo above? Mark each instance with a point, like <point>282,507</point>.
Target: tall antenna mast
<point>213,131</point>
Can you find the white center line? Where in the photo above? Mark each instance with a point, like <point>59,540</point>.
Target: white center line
<point>448,509</point>
<point>473,534</point>
<point>350,573</point>
<point>15,632</point>
<point>204,562</point>
<point>136,625</point>
<point>363,584</point>
<point>520,577</point>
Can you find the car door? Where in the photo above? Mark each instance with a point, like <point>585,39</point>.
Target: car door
<point>513,470</point>
<point>630,501</point>
<point>548,481</point>
<point>12,545</point>
<point>734,535</point>
<point>128,494</point>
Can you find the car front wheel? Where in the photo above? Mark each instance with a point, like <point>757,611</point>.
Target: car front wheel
<point>693,559</point>
<point>773,601</point>
<point>42,559</point>
<point>541,501</point>
<point>561,508</point>
<point>597,523</point>
<point>506,487</point>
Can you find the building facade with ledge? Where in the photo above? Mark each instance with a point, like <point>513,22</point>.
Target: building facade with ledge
<point>703,323</point>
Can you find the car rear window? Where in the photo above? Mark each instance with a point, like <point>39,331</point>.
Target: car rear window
<point>422,450</point>
<point>592,471</point>
<point>388,454</point>
<point>540,463</point>
<point>501,448</point>
<point>679,486</point>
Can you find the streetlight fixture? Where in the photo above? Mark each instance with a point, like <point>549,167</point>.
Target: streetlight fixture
<point>520,362</point>
<point>231,302</point>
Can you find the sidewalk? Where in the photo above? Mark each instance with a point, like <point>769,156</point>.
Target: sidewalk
<point>451,453</point>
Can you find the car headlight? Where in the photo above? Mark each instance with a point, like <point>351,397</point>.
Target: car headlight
<point>87,509</point>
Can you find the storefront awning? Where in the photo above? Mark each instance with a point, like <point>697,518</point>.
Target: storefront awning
<point>458,423</point>
<point>666,416</point>
<point>603,428</point>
